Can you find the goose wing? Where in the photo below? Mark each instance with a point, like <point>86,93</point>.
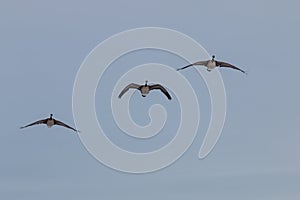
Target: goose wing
<point>161,88</point>
<point>224,64</point>
<point>131,85</point>
<point>196,63</point>
<point>57,122</point>
<point>42,121</point>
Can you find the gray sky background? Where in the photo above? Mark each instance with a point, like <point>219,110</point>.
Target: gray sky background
<point>257,157</point>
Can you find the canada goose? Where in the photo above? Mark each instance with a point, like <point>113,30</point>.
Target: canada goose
<point>145,89</point>
<point>50,122</point>
<point>211,64</point>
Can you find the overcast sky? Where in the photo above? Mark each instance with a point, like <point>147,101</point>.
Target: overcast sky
<point>257,157</point>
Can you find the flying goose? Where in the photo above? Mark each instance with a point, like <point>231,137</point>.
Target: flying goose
<point>211,64</point>
<point>145,89</point>
<point>50,122</point>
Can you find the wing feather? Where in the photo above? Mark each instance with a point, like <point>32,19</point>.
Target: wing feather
<point>42,121</point>
<point>161,88</point>
<point>131,85</point>
<point>204,63</point>
<point>57,122</point>
<point>224,64</point>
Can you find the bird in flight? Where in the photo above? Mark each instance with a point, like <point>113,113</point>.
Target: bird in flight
<point>211,64</point>
<point>50,122</point>
<point>145,89</point>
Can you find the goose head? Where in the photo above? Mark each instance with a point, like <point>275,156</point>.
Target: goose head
<point>213,57</point>
<point>51,116</point>
<point>146,83</point>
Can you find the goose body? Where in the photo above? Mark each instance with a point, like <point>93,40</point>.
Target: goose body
<point>211,64</point>
<point>50,122</point>
<point>145,89</point>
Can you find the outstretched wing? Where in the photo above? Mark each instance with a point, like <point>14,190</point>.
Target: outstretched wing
<point>56,122</point>
<point>196,63</point>
<point>224,64</point>
<point>161,88</point>
<point>131,85</point>
<point>42,121</point>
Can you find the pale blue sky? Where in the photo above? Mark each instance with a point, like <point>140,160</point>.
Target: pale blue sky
<point>257,157</point>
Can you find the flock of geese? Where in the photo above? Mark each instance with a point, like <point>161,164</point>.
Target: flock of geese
<point>144,89</point>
